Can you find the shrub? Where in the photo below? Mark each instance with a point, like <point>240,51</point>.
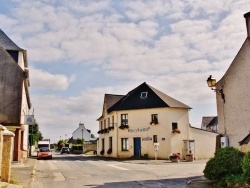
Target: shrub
<point>246,167</point>
<point>226,161</point>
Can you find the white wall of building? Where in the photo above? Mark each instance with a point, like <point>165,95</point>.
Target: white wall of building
<point>81,132</point>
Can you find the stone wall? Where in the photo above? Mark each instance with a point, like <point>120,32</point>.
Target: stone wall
<point>89,147</point>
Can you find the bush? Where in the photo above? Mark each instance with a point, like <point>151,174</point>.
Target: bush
<point>226,161</point>
<point>246,167</point>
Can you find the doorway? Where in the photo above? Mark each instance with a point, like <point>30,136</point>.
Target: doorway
<point>137,147</point>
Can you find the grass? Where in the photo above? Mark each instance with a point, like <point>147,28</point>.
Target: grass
<point>13,181</point>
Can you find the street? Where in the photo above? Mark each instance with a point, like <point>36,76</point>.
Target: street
<point>73,171</point>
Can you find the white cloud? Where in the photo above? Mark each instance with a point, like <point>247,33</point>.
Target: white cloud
<point>172,45</point>
<point>45,80</point>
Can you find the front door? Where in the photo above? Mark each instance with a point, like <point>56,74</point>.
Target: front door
<point>137,147</point>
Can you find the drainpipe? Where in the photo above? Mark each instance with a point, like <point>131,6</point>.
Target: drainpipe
<point>117,135</point>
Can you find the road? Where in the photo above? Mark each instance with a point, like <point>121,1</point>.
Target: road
<point>73,171</point>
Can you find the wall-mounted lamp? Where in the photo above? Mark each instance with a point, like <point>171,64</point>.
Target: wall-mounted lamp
<point>211,82</point>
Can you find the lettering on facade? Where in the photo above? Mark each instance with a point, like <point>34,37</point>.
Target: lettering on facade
<point>147,138</point>
<point>138,130</point>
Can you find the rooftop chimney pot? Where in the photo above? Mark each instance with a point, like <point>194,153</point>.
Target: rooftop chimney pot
<point>247,17</point>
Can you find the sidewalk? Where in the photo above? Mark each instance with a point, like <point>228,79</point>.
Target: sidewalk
<point>21,174</point>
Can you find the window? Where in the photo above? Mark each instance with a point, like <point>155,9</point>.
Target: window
<point>144,95</point>
<point>108,122</point>
<point>101,125</point>
<point>124,119</point>
<point>110,143</point>
<point>155,138</point>
<point>124,144</point>
<point>154,118</point>
<point>105,124</point>
<point>103,142</point>
<point>113,118</point>
<point>174,126</point>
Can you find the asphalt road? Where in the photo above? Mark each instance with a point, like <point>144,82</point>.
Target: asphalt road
<point>73,171</point>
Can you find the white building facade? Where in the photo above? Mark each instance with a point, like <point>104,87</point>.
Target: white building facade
<point>82,133</point>
<point>148,123</point>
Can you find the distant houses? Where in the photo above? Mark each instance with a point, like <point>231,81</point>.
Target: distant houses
<point>210,123</point>
<point>82,133</point>
<point>146,122</point>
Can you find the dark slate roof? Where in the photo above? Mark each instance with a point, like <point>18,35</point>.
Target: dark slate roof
<point>208,121</point>
<point>246,140</point>
<point>155,99</point>
<point>7,43</point>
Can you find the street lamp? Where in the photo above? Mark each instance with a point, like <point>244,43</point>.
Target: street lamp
<point>211,82</point>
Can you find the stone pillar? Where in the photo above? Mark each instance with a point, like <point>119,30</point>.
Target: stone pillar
<point>1,145</point>
<point>7,155</point>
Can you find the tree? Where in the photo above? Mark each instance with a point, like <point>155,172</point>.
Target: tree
<point>34,134</point>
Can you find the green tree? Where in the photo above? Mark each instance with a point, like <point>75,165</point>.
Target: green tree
<point>34,134</point>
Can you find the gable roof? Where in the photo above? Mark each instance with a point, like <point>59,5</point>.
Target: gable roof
<point>245,140</point>
<point>110,100</point>
<point>208,121</point>
<point>7,43</point>
<point>154,99</point>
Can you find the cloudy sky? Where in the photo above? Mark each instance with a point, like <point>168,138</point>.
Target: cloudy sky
<point>81,49</point>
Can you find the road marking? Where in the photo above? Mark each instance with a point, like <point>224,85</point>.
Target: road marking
<point>52,166</point>
<point>58,176</point>
<point>118,167</point>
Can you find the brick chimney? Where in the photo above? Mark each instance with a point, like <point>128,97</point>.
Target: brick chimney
<point>247,17</point>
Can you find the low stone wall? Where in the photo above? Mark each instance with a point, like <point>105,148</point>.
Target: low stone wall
<point>89,147</point>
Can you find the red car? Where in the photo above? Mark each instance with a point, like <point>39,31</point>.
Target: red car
<point>44,153</point>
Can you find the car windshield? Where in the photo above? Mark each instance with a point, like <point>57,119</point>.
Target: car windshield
<point>44,150</point>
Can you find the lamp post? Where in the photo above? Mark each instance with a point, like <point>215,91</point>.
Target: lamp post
<point>211,82</point>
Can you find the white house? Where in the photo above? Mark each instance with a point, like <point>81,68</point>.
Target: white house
<point>233,96</point>
<point>146,122</point>
<point>82,133</point>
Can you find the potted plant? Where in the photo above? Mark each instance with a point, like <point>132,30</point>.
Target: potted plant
<point>111,128</point>
<point>124,126</point>
<point>154,122</point>
<point>176,131</point>
<point>109,151</point>
<point>174,157</point>
<point>102,152</point>
<point>190,157</point>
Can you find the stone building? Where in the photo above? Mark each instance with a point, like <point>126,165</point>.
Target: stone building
<point>233,94</point>
<point>14,94</point>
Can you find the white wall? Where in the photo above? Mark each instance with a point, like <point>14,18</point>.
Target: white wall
<point>233,115</point>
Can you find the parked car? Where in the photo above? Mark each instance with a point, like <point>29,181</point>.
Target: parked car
<point>44,153</point>
<point>65,150</point>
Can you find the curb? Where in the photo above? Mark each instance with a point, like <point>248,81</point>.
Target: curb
<point>33,174</point>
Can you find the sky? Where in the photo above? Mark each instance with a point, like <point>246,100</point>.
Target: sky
<point>79,50</point>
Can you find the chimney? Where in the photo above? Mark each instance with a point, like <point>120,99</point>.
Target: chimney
<point>247,17</point>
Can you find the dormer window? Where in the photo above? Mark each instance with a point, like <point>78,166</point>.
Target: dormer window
<point>144,95</point>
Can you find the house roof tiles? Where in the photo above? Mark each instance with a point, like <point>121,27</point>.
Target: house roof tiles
<point>7,43</point>
<point>154,99</point>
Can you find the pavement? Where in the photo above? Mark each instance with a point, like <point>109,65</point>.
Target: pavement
<point>23,174</point>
